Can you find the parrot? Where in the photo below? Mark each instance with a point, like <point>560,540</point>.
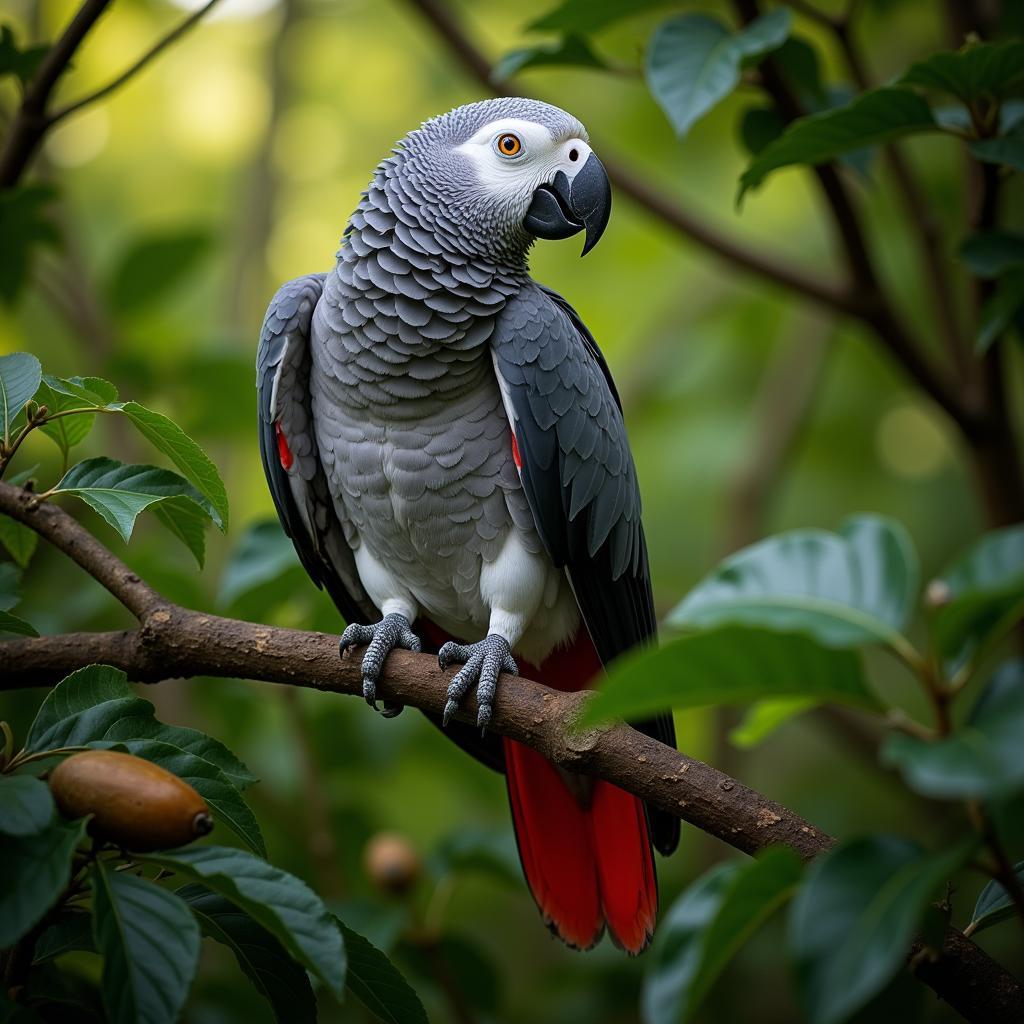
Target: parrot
<point>445,447</point>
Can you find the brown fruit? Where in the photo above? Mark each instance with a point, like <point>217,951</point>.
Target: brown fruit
<point>134,803</point>
<point>391,863</point>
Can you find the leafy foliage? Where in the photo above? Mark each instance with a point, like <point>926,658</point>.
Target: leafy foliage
<point>24,213</point>
<point>994,903</point>
<point>20,374</point>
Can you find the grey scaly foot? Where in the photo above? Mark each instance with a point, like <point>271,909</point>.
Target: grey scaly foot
<point>481,662</point>
<point>383,637</point>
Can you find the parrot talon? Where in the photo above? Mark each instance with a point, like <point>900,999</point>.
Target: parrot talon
<point>381,639</point>
<point>482,663</point>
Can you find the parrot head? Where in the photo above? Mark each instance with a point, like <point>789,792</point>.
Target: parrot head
<point>510,170</point>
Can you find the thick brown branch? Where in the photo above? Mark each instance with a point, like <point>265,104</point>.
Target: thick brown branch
<point>30,123</point>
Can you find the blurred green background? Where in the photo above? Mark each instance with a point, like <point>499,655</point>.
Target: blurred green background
<point>245,147</point>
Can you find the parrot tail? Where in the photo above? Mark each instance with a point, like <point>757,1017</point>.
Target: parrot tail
<point>584,843</point>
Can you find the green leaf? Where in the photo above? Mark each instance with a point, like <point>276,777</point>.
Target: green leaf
<point>375,981</point>
<point>169,438</point>
<point>24,213</point>
<point>693,61</point>
<point>119,493</point>
<point>728,665</point>
<point>853,920</point>
<point>26,806</point>
<point>67,431</point>
<point>15,61</point>
<point>153,267</point>
<point>994,904</point>
<point>264,961</point>
<point>281,903</point>
<point>584,16</point>
<point>985,70</point>
<point>20,374</point>
<point>984,590</point>
<point>706,926</point>
<point>1004,149</point>
<point>570,51</point>
<point>86,390</point>
<point>18,539</point>
<point>1000,311</point>
<point>763,718</point>
<point>97,703</point>
<point>871,119</point>
<point>992,253</point>
<point>797,61</point>
<point>71,932</point>
<point>983,760</point>
<point>150,946</point>
<point>35,870</point>
<point>263,554</point>
<point>760,126</point>
<point>10,585</point>
<point>15,624</point>
<point>849,589</point>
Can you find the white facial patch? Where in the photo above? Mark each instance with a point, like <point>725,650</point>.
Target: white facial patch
<point>538,161</point>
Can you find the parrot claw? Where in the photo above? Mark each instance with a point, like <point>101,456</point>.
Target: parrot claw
<point>382,638</point>
<point>482,663</point>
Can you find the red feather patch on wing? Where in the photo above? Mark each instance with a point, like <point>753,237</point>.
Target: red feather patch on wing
<point>284,453</point>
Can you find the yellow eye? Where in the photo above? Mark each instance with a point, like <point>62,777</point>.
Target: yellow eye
<point>509,144</point>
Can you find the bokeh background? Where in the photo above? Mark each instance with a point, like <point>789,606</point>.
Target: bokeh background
<point>242,150</point>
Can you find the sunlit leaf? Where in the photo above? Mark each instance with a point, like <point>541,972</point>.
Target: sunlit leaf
<point>26,806</point>
<point>153,267</point>
<point>583,16</point>
<point>694,61</point>
<point>20,374</point>
<point>18,539</point>
<point>994,903</point>
<point>570,51</point>
<point>86,390</point>
<point>979,70</point>
<point>281,903</point>
<point>65,431</point>
<point>763,718</point>
<point>707,925</point>
<point>853,920</point>
<point>848,589</point>
<point>263,960</point>
<point>728,665</point>
<point>150,946</point>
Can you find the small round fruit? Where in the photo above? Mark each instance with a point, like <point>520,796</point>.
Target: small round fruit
<point>134,803</point>
<point>391,863</point>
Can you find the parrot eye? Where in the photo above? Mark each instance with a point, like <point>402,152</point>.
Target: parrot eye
<point>509,144</point>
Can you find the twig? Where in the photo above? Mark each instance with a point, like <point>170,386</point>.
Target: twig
<point>135,68</point>
<point>174,641</point>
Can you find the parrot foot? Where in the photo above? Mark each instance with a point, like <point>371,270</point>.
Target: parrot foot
<point>382,637</point>
<point>482,663</point>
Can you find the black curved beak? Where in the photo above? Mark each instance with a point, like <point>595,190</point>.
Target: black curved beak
<point>567,206</point>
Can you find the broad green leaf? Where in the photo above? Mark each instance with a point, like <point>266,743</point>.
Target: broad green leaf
<point>707,925</point>
<point>153,267</point>
<point>166,436</point>
<point>798,62</point>
<point>982,760</point>
<point>728,665</point>
<point>22,63</point>
<point>264,961</point>
<point>15,624</point>
<point>97,703</point>
<point>35,870</point>
<point>86,390</point>
<point>72,931</point>
<point>27,226</point>
<point>760,126</point>
<point>570,51</point>
<point>26,806</point>
<point>871,119</point>
<point>763,718</point>
<point>992,253</point>
<point>848,589</point>
<point>985,586</point>
<point>693,61</point>
<point>20,374</point>
<point>584,16</point>
<point>187,521</point>
<point>994,904</point>
<point>281,903</point>
<point>1004,149</point>
<point>65,431</point>
<point>985,70</point>
<point>150,946</point>
<point>853,920</point>
<point>18,539</point>
<point>375,981</point>
<point>263,554</point>
<point>1001,309</point>
<point>119,493</point>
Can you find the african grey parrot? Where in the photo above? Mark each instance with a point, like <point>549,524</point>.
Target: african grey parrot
<point>445,447</point>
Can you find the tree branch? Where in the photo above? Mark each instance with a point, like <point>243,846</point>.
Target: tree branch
<point>177,642</point>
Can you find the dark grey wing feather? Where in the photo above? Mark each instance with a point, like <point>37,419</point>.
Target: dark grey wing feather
<point>300,492</point>
<point>580,481</point>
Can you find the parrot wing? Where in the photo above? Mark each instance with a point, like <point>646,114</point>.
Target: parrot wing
<point>579,478</point>
<point>289,452</point>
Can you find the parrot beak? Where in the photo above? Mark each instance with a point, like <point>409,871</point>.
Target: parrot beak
<point>567,206</point>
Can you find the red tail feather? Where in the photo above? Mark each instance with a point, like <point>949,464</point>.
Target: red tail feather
<point>584,844</point>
